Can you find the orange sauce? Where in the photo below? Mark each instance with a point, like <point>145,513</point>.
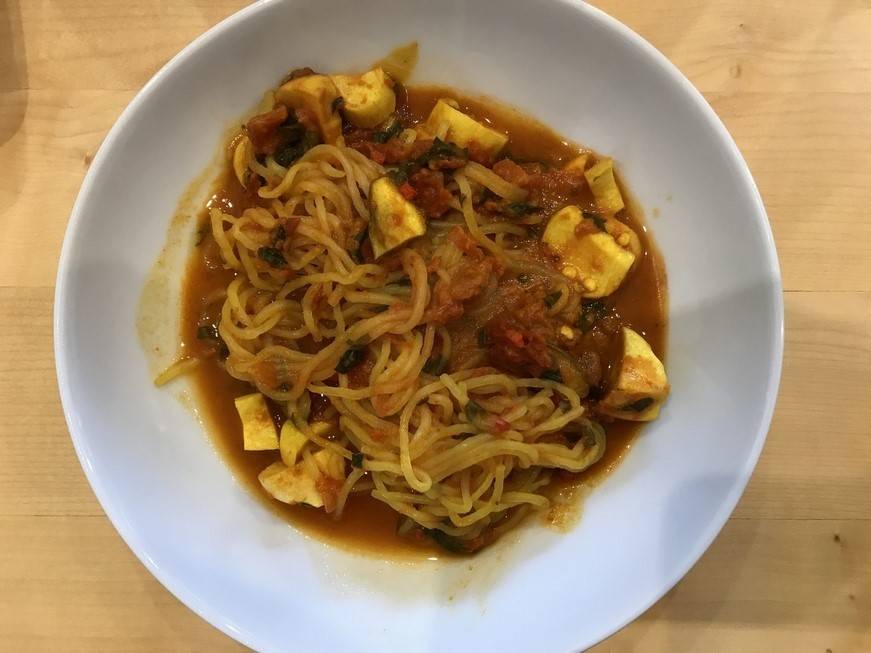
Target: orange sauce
<point>368,524</point>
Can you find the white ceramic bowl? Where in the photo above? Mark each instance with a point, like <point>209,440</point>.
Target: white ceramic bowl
<point>217,548</point>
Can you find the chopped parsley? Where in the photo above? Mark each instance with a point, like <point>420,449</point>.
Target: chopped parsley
<point>400,174</point>
<point>597,219</point>
<point>552,375</point>
<point>638,406</point>
<point>435,366</point>
<point>473,410</point>
<point>208,332</point>
<point>272,256</point>
<point>442,150</point>
<point>392,128</point>
<point>552,298</point>
<point>591,312</point>
<point>519,209</point>
<point>350,359</point>
<point>293,149</point>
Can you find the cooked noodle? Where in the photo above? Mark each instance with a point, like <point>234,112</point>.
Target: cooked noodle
<point>429,449</point>
<point>425,305</point>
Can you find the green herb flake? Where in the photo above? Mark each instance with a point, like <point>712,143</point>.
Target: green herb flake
<point>292,151</point>
<point>552,298</point>
<point>442,150</point>
<point>597,219</point>
<point>357,252</point>
<point>638,406</point>
<point>272,256</point>
<point>401,173</point>
<point>279,235</point>
<point>552,375</point>
<point>201,234</point>
<point>435,366</point>
<point>208,332</point>
<point>357,460</point>
<point>473,410</point>
<point>591,312</point>
<point>392,128</point>
<point>519,209</point>
<point>291,131</point>
<point>448,542</point>
<point>350,359</point>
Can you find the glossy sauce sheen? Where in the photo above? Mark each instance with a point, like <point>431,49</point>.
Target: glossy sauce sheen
<point>368,524</point>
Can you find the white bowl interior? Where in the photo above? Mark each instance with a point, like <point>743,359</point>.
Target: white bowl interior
<point>175,502</point>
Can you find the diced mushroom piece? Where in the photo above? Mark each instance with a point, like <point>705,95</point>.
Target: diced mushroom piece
<point>317,94</point>
<point>400,62</point>
<point>368,99</point>
<point>640,386</point>
<point>242,155</point>
<point>258,429</point>
<point>624,235</point>
<point>604,187</point>
<point>590,254</point>
<point>294,484</point>
<point>578,164</point>
<point>394,219</point>
<point>462,130</point>
<point>290,443</point>
<point>307,481</point>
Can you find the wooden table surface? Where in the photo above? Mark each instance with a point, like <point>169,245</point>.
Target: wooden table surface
<point>791,571</point>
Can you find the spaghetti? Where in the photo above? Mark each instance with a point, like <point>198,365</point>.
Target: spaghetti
<point>445,377</point>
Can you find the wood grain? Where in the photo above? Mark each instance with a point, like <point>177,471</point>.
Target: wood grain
<point>792,569</point>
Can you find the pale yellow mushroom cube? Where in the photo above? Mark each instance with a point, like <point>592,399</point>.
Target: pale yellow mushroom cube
<point>603,185</point>
<point>330,464</point>
<point>295,484</point>
<point>463,130</point>
<point>318,94</point>
<point>578,164</point>
<point>394,219</point>
<point>368,99</point>
<point>258,429</point>
<point>640,386</point>
<point>624,235</point>
<point>307,480</point>
<point>242,156</point>
<point>400,62</point>
<point>291,443</point>
<point>589,254</point>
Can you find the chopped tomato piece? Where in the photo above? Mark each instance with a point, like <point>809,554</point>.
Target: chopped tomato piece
<point>407,191</point>
<point>263,129</point>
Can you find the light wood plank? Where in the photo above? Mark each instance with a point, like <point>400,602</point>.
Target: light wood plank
<point>71,584</point>
<point>810,155</point>
<point>745,45</point>
<point>817,460</point>
<point>51,148</point>
<point>791,570</point>
<point>766,586</point>
<point>102,44</point>
<point>39,471</point>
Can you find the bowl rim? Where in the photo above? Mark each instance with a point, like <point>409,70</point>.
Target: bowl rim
<point>175,584</point>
